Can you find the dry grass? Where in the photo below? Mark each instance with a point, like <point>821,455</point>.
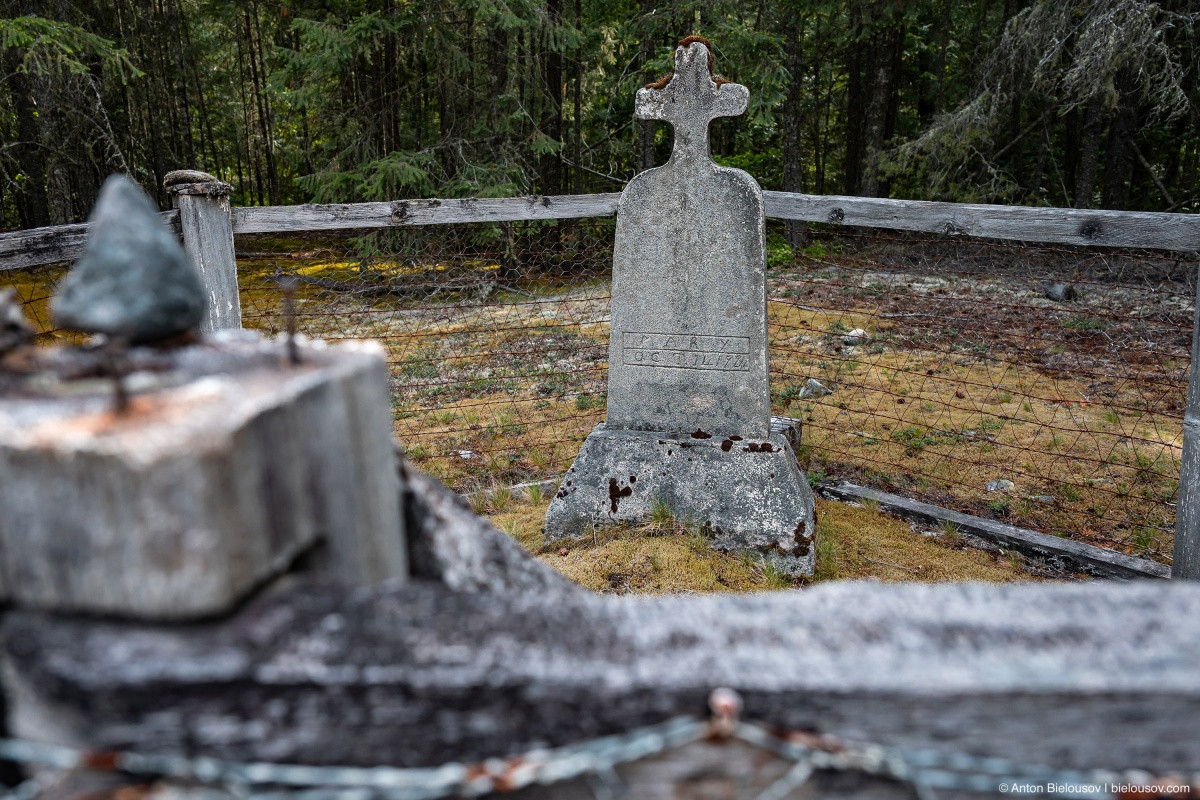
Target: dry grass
<point>919,421</point>
<point>859,542</point>
<point>493,386</point>
<point>665,557</point>
<point>503,387</point>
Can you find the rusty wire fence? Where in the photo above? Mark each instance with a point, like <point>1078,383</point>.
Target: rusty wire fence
<point>926,365</point>
<point>1040,385</point>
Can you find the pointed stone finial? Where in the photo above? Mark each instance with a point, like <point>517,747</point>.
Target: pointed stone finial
<point>134,281</point>
<point>691,100</point>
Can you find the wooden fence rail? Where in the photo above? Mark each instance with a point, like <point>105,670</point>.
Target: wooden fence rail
<point>34,247</point>
<point>1158,231</point>
<point>1095,228</point>
<point>404,213</point>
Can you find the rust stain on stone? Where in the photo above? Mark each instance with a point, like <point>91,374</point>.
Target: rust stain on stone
<point>615,493</point>
<point>662,82</point>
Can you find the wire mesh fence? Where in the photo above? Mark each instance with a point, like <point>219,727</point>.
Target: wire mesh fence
<point>1043,386</point>
<point>926,365</point>
<point>1056,375</point>
<point>34,287</point>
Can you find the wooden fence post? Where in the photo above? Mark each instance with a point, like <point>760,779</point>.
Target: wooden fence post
<point>207,226</point>
<point>1186,561</point>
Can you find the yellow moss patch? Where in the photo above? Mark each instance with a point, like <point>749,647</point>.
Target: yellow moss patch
<point>647,559</point>
<point>664,563</point>
<point>853,542</point>
<point>857,542</point>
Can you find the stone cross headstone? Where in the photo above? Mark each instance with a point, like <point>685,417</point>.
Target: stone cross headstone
<point>689,419</point>
<point>689,321</point>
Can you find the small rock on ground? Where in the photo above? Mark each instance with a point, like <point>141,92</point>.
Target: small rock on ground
<point>856,336</point>
<point>814,388</point>
<point>1060,292</point>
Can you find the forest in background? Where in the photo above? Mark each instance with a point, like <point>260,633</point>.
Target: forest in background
<point>1088,103</point>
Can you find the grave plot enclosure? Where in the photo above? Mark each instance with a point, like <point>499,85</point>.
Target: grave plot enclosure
<point>496,328</point>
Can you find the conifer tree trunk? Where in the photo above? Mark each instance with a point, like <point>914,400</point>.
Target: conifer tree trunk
<point>1119,163</point>
<point>1089,153</point>
<point>551,125</point>
<point>791,120</point>
<point>856,68</point>
<point>32,204</point>
<point>577,183</point>
<point>882,107</point>
<point>497,60</point>
<point>644,128</point>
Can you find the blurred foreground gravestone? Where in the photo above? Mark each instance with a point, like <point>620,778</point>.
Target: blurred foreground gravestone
<point>15,330</point>
<point>689,417</point>
<point>220,464</point>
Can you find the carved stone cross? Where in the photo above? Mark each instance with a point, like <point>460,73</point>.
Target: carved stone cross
<point>690,101</point>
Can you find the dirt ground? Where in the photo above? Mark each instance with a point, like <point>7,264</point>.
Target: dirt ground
<point>967,373</point>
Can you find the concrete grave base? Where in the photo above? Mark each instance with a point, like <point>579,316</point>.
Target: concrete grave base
<point>746,494</point>
<point>228,464</point>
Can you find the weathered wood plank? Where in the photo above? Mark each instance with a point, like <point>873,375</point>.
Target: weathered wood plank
<point>1186,558</point>
<point>1178,232</point>
<point>279,219</point>
<point>1079,675</point>
<point>204,221</point>
<point>447,543</point>
<point>37,246</point>
<point>1095,560</point>
<point>1160,231</point>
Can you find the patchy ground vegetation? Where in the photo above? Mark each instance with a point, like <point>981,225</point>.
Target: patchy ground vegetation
<point>967,375</point>
<point>971,375</point>
<point>665,555</point>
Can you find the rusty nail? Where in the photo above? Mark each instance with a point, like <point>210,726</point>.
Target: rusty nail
<point>287,284</point>
<point>102,760</point>
<point>114,352</point>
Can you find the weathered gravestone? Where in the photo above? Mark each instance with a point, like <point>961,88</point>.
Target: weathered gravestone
<point>689,419</point>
